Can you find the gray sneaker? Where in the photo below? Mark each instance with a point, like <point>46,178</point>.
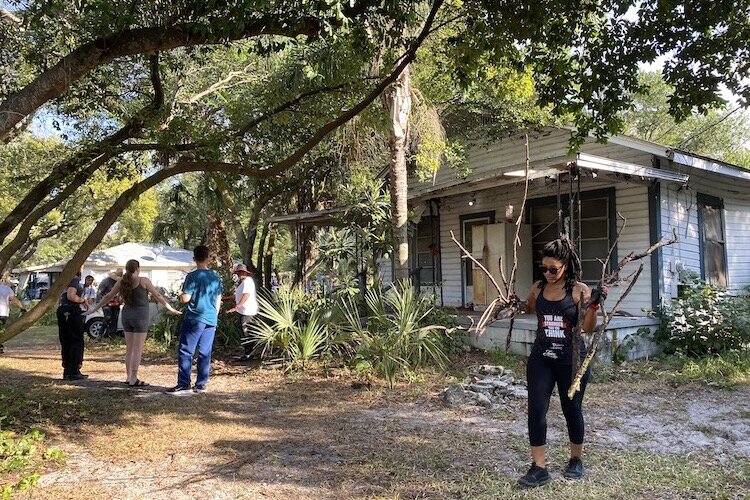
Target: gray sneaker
<point>199,388</point>
<point>574,470</point>
<point>180,390</point>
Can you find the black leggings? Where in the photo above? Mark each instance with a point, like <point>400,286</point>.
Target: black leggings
<point>542,373</point>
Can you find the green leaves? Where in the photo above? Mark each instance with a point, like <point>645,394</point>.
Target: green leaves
<point>284,327</point>
<point>397,337</point>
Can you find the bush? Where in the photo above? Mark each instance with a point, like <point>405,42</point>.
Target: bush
<point>705,320</point>
<point>396,337</point>
<point>166,330</point>
<point>297,325</point>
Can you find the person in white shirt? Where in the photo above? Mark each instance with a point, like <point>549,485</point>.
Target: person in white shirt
<point>89,292</point>
<point>7,295</point>
<point>246,305</point>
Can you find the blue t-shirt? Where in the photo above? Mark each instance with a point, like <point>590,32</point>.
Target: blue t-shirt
<point>204,288</point>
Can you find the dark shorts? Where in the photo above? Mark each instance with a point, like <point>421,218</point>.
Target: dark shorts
<point>135,319</point>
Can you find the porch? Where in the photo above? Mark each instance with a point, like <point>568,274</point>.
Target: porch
<point>621,333</point>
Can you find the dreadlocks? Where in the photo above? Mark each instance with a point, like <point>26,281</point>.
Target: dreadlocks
<point>563,250</point>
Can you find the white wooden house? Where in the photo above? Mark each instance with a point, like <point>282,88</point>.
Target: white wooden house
<point>656,189</point>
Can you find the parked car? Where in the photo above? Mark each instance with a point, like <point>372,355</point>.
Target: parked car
<point>95,323</point>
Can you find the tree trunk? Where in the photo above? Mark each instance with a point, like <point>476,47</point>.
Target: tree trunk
<point>398,103</point>
<point>261,252</point>
<point>268,261</point>
<point>218,242</point>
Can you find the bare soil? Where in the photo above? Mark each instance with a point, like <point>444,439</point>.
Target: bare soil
<point>262,434</point>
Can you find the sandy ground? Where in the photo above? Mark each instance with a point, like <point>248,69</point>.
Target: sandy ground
<point>260,434</point>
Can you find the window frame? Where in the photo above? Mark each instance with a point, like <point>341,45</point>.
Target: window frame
<point>609,193</point>
<point>414,253</point>
<point>706,200</point>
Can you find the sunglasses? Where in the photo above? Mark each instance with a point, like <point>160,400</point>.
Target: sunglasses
<point>552,270</point>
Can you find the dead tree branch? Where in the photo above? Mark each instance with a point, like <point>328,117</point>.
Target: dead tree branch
<point>598,334</point>
<point>612,279</point>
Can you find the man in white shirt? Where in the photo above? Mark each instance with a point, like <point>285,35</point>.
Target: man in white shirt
<point>6,297</point>
<point>89,292</point>
<point>246,306</point>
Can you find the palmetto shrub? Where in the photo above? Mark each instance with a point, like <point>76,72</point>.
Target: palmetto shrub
<point>297,327</point>
<point>394,336</point>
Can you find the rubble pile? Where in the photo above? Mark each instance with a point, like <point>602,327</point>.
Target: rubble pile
<point>487,385</point>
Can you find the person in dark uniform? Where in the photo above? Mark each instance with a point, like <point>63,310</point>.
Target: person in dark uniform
<point>70,326</point>
<point>554,299</point>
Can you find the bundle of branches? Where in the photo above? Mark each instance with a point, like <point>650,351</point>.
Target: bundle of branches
<point>607,280</point>
<point>507,303</point>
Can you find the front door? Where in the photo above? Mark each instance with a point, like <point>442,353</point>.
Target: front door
<point>468,222</point>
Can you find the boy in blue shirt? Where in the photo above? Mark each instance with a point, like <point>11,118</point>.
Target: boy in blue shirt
<point>201,293</point>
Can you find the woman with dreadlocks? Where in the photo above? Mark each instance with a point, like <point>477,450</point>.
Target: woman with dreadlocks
<point>554,354</point>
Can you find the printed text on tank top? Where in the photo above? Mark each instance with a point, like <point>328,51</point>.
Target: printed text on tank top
<point>556,320</point>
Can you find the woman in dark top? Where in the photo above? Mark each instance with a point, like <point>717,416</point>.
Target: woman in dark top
<point>555,300</point>
<point>134,290</point>
<point>70,328</point>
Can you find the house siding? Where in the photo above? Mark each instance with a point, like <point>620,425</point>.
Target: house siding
<point>631,201</point>
<point>680,212</point>
<point>678,209</point>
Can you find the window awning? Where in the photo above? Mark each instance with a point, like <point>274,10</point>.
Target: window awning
<point>591,162</point>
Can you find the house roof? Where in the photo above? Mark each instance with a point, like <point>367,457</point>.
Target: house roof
<point>149,256</point>
<point>503,162</point>
<point>327,216</point>
<point>680,156</point>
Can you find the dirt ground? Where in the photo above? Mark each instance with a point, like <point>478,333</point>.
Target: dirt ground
<point>261,434</point>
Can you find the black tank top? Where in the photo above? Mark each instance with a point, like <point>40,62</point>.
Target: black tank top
<point>556,321</point>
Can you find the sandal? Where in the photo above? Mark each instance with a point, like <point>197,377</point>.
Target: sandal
<point>138,383</point>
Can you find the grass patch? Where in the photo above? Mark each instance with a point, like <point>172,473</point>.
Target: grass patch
<point>499,356</point>
<point>724,371</point>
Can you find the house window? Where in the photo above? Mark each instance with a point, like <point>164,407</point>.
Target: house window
<point>425,262</point>
<point>712,242</point>
<point>596,233</point>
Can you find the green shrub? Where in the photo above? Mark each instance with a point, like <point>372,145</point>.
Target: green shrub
<point>396,337</point>
<point>166,330</point>
<point>228,330</point>
<point>705,320</point>
<point>296,325</point>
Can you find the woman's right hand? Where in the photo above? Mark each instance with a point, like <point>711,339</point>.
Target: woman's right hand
<point>172,310</point>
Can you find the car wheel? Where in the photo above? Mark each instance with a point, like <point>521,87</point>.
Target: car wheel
<point>95,328</point>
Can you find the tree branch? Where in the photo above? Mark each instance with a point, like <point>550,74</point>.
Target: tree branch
<point>6,14</point>
<point>105,147</point>
<point>56,80</point>
<point>127,197</point>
